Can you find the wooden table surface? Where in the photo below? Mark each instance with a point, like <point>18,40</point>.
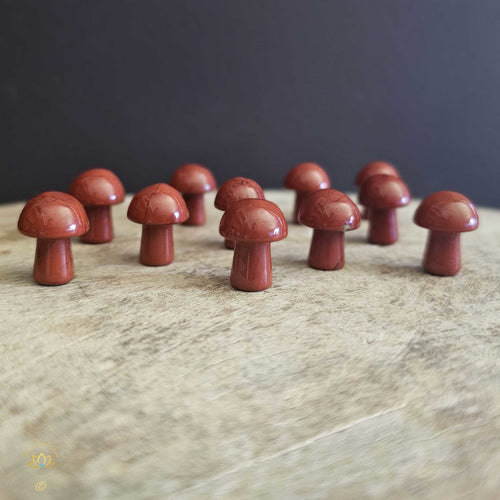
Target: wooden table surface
<point>376,381</point>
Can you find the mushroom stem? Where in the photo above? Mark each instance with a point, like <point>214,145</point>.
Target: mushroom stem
<point>196,208</point>
<point>157,245</point>
<point>383,226</point>
<point>101,226</point>
<point>229,244</point>
<point>327,250</point>
<point>300,196</point>
<point>442,253</point>
<point>252,268</point>
<point>53,262</point>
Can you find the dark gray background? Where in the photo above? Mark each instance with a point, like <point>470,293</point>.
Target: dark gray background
<point>250,88</point>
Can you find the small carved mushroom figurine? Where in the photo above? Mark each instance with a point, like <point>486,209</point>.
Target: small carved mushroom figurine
<point>330,213</point>
<point>193,181</point>
<point>374,168</point>
<point>53,218</point>
<point>446,214</point>
<point>237,188</point>
<point>97,190</point>
<point>252,224</point>
<point>383,194</point>
<point>157,208</point>
<point>304,179</point>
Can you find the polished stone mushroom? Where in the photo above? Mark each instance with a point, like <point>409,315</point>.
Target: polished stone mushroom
<point>374,168</point>
<point>304,179</point>
<point>330,213</point>
<point>252,224</point>
<point>157,208</point>
<point>97,190</point>
<point>237,188</point>
<point>53,218</point>
<point>383,194</point>
<point>445,214</point>
<point>193,181</point>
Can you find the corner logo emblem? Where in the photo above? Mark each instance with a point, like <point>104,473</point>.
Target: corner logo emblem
<point>42,455</point>
<point>41,462</point>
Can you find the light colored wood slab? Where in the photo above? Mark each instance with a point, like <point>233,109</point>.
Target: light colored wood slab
<point>376,381</point>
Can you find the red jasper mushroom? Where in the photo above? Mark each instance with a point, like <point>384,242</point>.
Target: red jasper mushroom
<point>53,218</point>
<point>193,181</point>
<point>446,214</point>
<point>305,178</point>
<point>157,207</point>
<point>382,194</point>
<point>237,188</point>
<point>371,169</point>
<point>97,190</point>
<point>252,224</point>
<point>329,212</point>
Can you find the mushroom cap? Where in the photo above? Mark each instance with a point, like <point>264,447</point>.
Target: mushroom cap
<point>375,168</point>
<point>237,188</point>
<point>97,187</point>
<point>193,179</point>
<point>53,215</point>
<point>158,204</point>
<point>329,210</point>
<point>253,221</point>
<point>447,211</point>
<point>307,177</point>
<point>384,192</point>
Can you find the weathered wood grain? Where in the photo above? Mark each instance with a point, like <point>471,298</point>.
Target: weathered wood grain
<point>376,381</point>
